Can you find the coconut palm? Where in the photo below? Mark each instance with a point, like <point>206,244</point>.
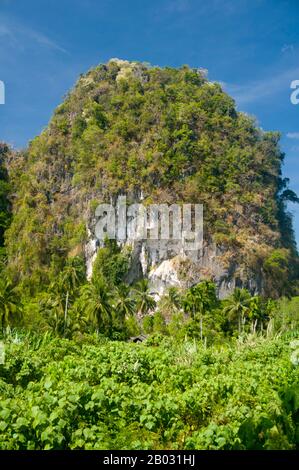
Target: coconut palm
<point>171,302</point>
<point>64,288</point>
<point>199,300</point>
<point>72,275</point>
<point>260,310</point>
<point>97,300</point>
<point>10,306</point>
<point>143,297</point>
<point>124,305</point>
<point>238,306</point>
<point>52,306</point>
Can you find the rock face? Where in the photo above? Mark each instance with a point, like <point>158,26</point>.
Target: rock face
<point>167,263</point>
<point>182,272</point>
<point>90,252</point>
<point>158,136</point>
<point>155,261</point>
<point>165,275</point>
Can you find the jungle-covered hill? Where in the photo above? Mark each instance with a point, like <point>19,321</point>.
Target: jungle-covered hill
<point>169,133</point>
<point>211,372</point>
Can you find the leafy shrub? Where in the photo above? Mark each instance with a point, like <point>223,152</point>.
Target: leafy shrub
<point>97,394</point>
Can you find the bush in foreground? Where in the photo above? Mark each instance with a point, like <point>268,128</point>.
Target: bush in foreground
<point>98,394</point>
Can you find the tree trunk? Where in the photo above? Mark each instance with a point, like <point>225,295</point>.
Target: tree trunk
<point>243,322</point>
<point>66,308</point>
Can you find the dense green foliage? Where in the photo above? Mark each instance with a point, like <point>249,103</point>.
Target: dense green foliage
<point>211,374</point>
<point>126,128</point>
<point>96,394</point>
<point>106,304</point>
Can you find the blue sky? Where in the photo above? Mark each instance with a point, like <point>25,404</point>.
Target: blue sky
<point>250,46</point>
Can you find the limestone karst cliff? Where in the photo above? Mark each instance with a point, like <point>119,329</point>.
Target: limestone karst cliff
<point>171,136</point>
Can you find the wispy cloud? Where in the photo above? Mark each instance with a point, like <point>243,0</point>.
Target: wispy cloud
<point>178,6</point>
<point>293,135</point>
<point>5,31</point>
<point>287,48</point>
<point>259,90</point>
<point>44,40</point>
<point>202,9</point>
<point>16,35</point>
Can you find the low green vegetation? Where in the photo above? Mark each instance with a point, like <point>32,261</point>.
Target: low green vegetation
<point>163,394</point>
<point>210,374</point>
<point>72,306</point>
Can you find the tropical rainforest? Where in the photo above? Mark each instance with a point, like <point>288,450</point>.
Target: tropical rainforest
<point>102,362</point>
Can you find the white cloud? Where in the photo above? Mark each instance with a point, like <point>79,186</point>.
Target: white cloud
<point>261,89</point>
<point>44,40</point>
<point>21,36</point>
<point>293,135</point>
<point>178,6</point>
<point>226,7</point>
<point>4,30</point>
<point>287,48</point>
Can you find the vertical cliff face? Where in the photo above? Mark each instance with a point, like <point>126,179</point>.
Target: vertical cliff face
<point>165,268</point>
<point>157,135</point>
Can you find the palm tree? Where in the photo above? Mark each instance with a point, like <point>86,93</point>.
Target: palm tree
<point>52,306</point>
<point>144,300</point>
<point>10,306</point>
<point>65,286</point>
<point>124,304</point>
<point>97,300</point>
<point>194,304</point>
<point>238,305</point>
<point>255,312</point>
<point>171,302</point>
<point>199,300</point>
<point>260,310</point>
<point>72,275</point>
